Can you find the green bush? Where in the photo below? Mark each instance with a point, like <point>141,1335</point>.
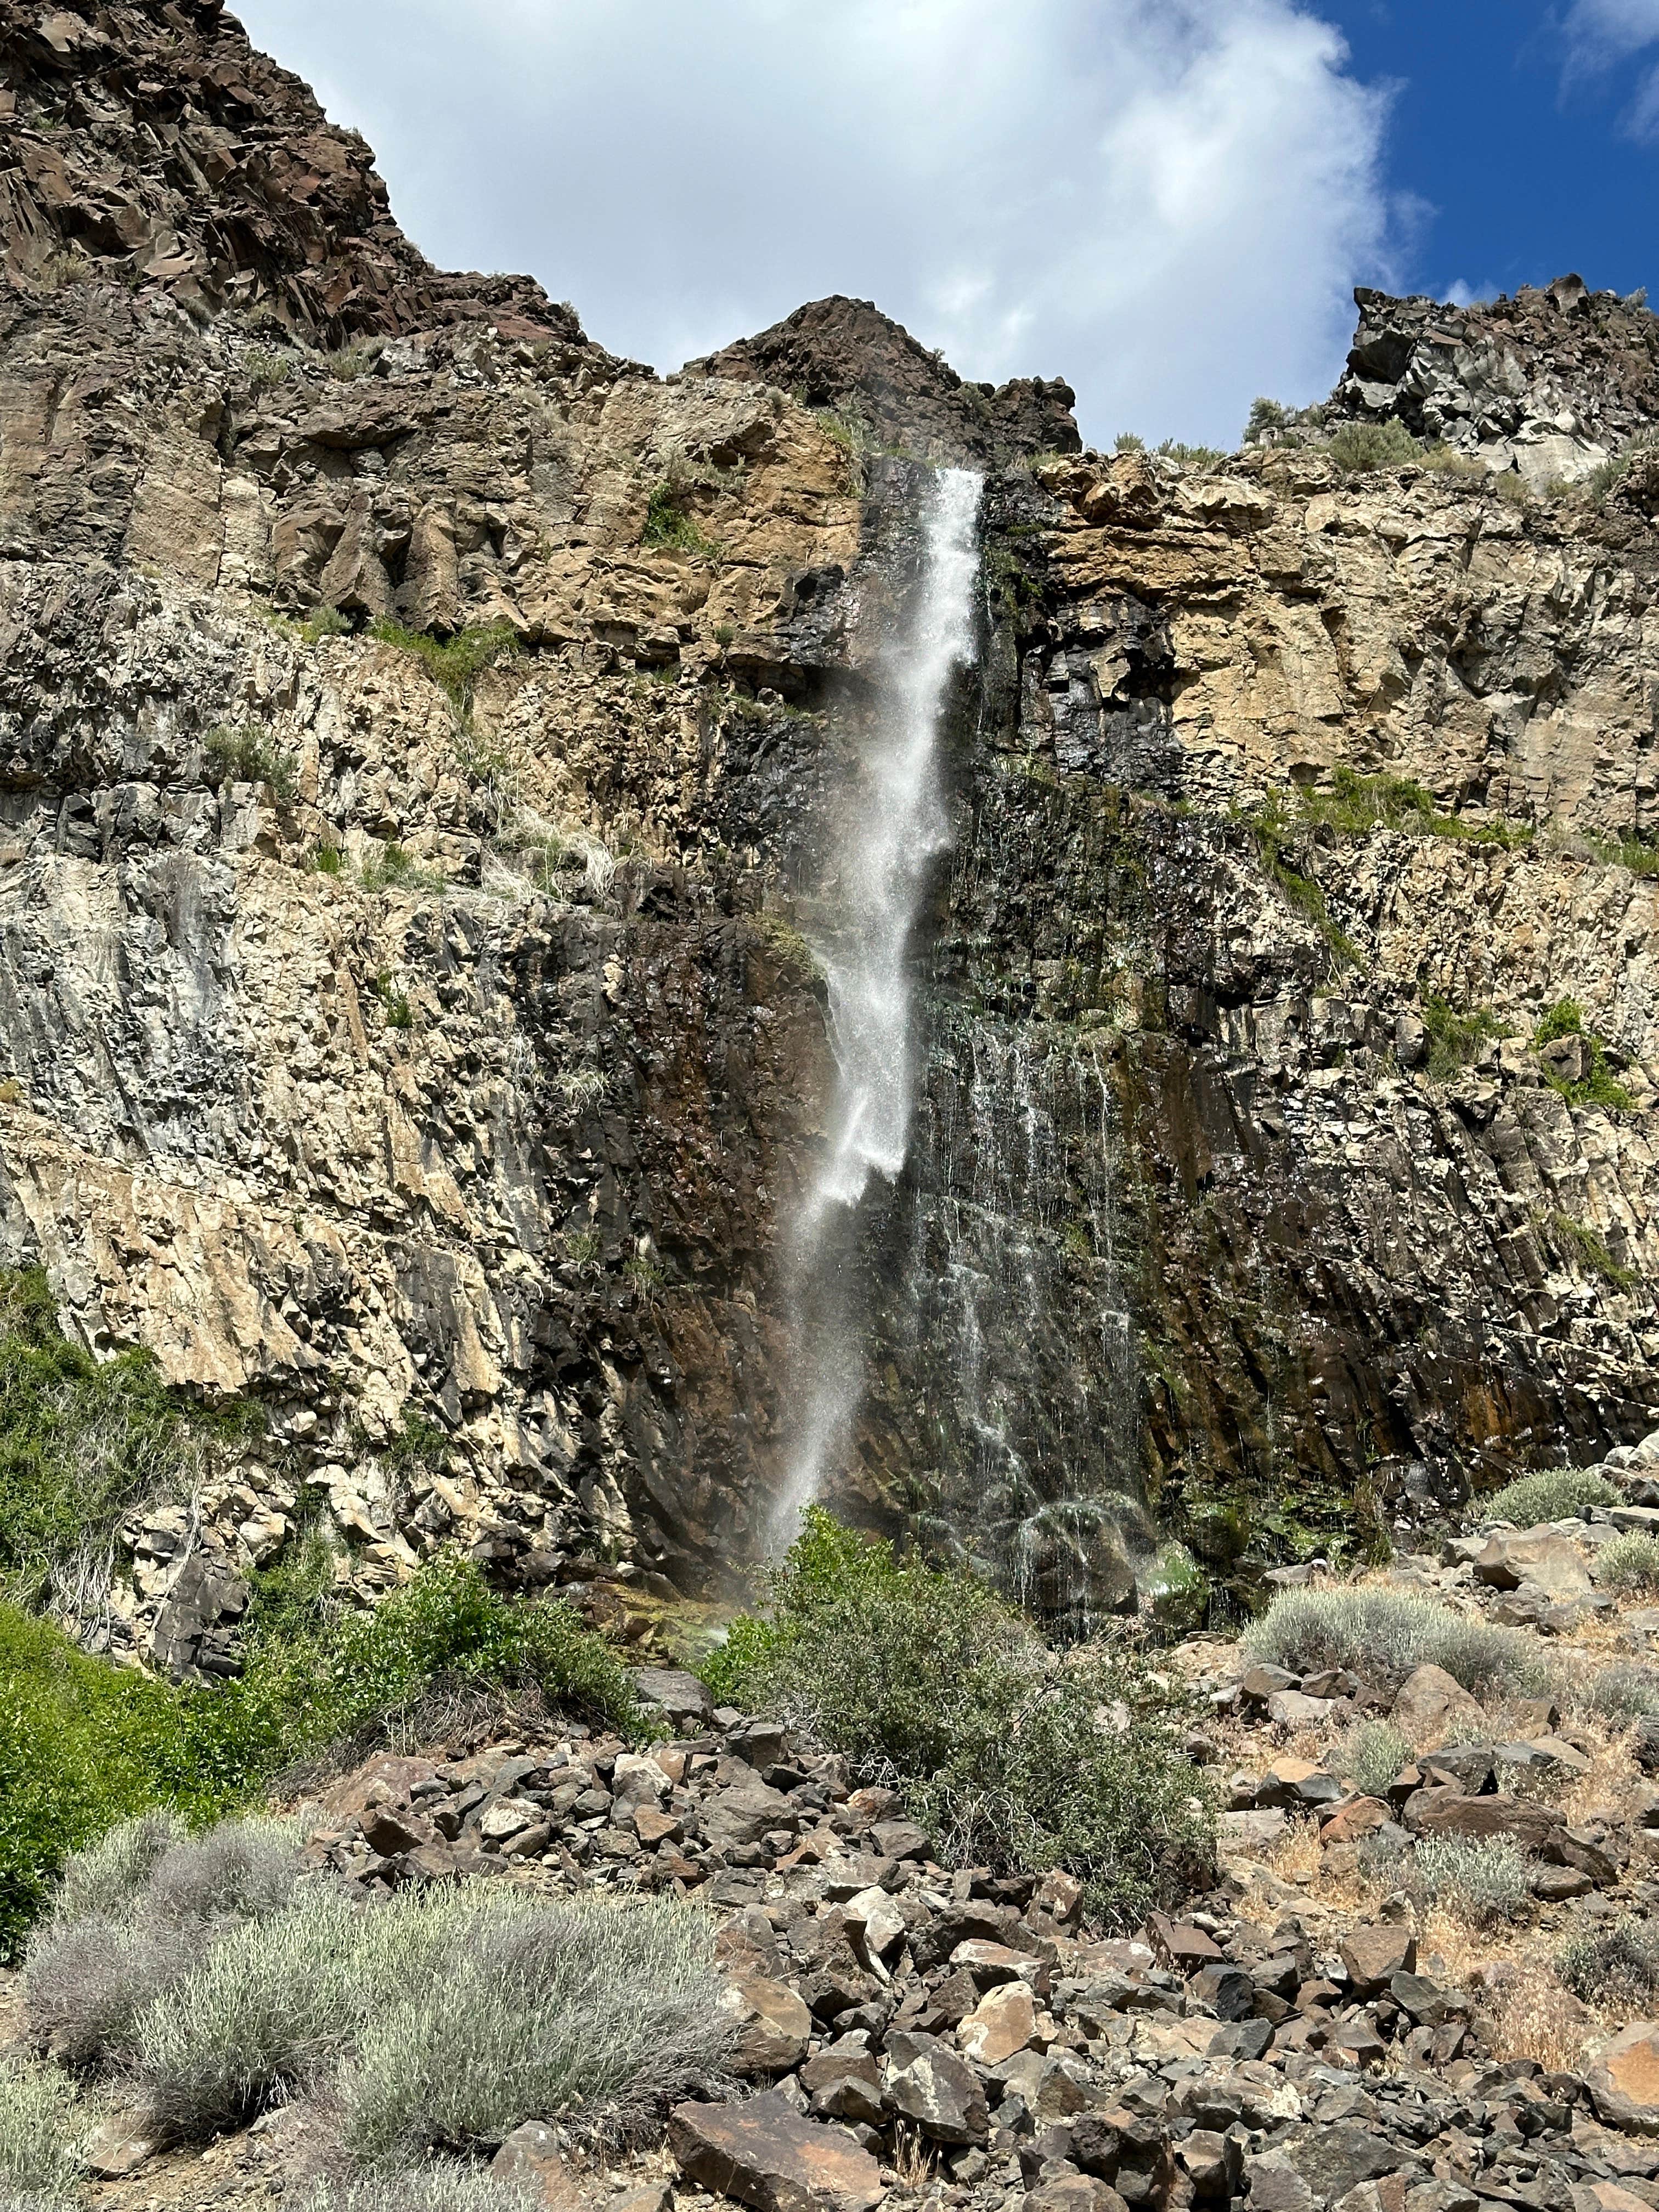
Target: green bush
<point>1590,1250</point>
<point>1480,1883</point>
<point>1599,1086</point>
<point>1554,1493</point>
<point>1615,1965</point>
<point>1358,446</point>
<point>1455,1039</point>
<point>1624,1691</point>
<point>44,2122</point>
<point>1356,803</point>
<point>1372,1755</point>
<point>244,756</point>
<point>1382,1635</point>
<point>1629,1565</point>
<point>84,1744</point>
<point>1007,1754</point>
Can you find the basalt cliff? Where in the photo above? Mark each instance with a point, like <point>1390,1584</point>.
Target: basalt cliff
<point>418,734</point>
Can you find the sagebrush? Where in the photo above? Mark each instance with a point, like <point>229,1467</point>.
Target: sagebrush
<point>1629,1565</point>
<point>1007,1753</point>
<point>1479,1882</point>
<point>1382,1635</point>
<point>1554,1493</point>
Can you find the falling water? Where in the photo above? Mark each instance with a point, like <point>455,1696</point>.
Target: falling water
<point>892,826</point>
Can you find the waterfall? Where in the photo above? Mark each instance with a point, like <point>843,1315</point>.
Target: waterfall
<point>890,827</point>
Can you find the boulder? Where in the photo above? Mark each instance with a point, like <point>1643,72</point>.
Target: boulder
<point>1623,2078</point>
<point>1374,1953</point>
<point>843,2082</point>
<point>1074,2192</point>
<point>928,2082</point>
<point>1432,1708</point>
<point>1001,2023</point>
<point>1542,1557</point>
<point>773,2026</point>
<point>737,1818</point>
<point>681,1696</point>
<point>767,2154</point>
<point>1440,1812</point>
<point>1358,1817</point>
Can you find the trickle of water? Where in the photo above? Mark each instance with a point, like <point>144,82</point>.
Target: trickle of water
<point>892,828</point>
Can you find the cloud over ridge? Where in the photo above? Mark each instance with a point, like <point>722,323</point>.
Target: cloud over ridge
<point>1165,201</point>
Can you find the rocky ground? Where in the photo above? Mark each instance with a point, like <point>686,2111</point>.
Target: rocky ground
<point>1321,2029</point>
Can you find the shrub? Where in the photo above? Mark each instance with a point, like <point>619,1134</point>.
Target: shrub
<point>1358,446</point>
<point>1630,1566</point>
<point>44,2122</point>
<point>81,1442</point>
<point>1387,1633</point>
<point>1198,457</point>
<point>1598,1087</point>
<point>1008,1755</point>
<point>1455,1039</point>
<point>1372,1755</point>
<point>535,2008</point>
<point>433,2018</point>
<point>324,622</point>
<point>244,756</point>
<point>1480,1883</point>
<point>1604,1965</point>
<point>1554,1493</point>
<point>668,523</point>
<point>1624,1691</point>
<point>397,868</point>
<point>326,860</point>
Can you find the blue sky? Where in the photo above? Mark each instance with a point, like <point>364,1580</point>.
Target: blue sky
<point>1168,202</point>
<point>1517,147</point>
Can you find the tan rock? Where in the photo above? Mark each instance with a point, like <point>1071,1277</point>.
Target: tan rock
<point>1623,2078</point>
<point>765,2153</point>
<point>1433,1708</point>
<point>531,2162</point>
<point>775,2026</point>
<point>1000,2024</point>
<point>1543,1557</point>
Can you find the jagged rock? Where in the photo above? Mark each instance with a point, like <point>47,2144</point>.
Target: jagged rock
<point>766,2154</point>
<point>1001,2023</point>
<point>1623,2078</point>
<point>1375,1954</point>
<point>532,2162</point>
<point>927,2082</point>
<point>1542,1557</point>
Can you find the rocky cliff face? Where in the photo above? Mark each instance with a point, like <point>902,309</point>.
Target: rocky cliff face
<point>417,1036</point>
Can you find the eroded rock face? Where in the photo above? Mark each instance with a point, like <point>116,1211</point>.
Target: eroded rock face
<point>437,1057</point>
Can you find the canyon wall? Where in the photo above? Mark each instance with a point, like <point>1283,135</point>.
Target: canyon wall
<point>427,1046</point>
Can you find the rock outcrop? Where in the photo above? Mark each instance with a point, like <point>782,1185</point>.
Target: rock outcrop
<point>1549,383</point>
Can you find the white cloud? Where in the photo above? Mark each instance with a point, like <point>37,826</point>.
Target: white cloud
<point>1602,35</point>
<point>1165,201</point>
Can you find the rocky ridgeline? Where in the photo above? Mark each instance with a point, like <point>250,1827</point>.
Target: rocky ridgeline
<point>1549,383</point>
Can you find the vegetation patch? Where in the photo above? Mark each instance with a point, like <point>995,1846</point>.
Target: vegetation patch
<point>1383,1635</point>
<point>84,1744</point>
<point>1273,827</point>
<point>1372,1755</point>
<point>44,2122</point>
<point>1356,805</point>
<point>397,869</point>
<point>1597,1087</point>
<point>213,1978</point>
<point>1590,1251</point>
<point>455,663</point>
<point>1616,1965</point>
<point>1455,1039</point>
<point>1480,1883</point>
<point>247,756</point>
<point>1008,1754</point>
<point>1554,1493</point>
<point>1630,1566</point>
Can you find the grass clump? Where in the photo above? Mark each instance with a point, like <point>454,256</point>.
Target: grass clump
<point>1606,476</point>
<point>1383,1635</point>
<point>1639,855</point>
<point>244,756</point>
<point>82,1444</point>
<point>435,2186</point>
<point>1554,1493</point>
<point>397,869</point>
<point>43,2121</point>
<point>325,622</point>
<point>1590,1251</point>
<point>669,522</point>
<point>1009,1755</point>
<point>1456,1039</point>
<point>1273,827</point>
<point>1611,1966</point>
<point>1624,1691</point>
<point>1597,1087</point>
<point>1355,805</point>
<point>1478,1882</point>
<point>1372,1755</point>
<point>431,2020</point>
<point>1629,1566</point>
<point>456,663</point>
